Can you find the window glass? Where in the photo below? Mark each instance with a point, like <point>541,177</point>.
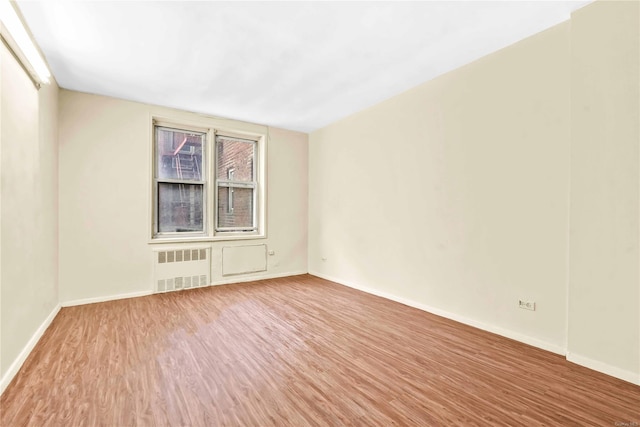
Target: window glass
<point>180,207</point>
<point>235,207</point>
<point>235,159</point>
<point>179,154</point>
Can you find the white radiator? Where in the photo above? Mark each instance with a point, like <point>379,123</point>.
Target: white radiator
<point>185,268</point>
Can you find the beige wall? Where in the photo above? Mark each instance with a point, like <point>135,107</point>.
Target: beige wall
<point>458,196</point>
<point>29,195</point>
<point>604,304</point>
<point>453,195</point>
<point>105,190</point>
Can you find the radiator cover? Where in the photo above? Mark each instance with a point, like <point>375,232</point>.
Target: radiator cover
<point>181,268</point>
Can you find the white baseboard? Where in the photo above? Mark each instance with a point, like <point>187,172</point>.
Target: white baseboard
<point>234,279</point>
<point>17,364</point>
<point>453,316</point>
<point>596,365</point>
<point>244,278</point>
<point>93,300</point>
<point>19,361</point>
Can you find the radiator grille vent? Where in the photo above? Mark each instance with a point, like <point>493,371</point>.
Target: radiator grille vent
<point>179,269</point>
<point>182,255</point>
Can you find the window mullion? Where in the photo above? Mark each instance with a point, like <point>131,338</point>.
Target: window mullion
<point>212,191</point>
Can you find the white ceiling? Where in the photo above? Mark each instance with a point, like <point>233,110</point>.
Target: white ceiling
<point>295,65</point>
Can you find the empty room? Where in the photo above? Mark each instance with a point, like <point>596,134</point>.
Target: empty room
<point>320,213</point>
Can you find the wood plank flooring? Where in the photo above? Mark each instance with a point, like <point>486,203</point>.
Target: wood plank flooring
<point>296,351</point>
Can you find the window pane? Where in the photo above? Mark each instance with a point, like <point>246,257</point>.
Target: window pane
<point>235,207</point>
<point>235,159</point>
<point>179,154</point>
<point>180,207</point>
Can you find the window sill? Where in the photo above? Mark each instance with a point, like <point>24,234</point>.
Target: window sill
<point>202,239</point>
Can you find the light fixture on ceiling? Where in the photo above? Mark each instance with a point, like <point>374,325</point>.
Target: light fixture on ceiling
<point>14,32</point>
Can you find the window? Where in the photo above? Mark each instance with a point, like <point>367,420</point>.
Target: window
<point>202,193</point>
<point>236,183</point>
<point>180,181</point>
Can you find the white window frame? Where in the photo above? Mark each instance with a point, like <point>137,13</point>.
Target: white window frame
<point>210,190</point>
<point>230,174</point>
<point>231,184</point>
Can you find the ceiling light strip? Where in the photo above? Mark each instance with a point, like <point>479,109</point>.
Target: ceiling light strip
<point>16,35</point>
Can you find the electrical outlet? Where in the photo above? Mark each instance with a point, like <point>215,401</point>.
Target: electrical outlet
<point>527,305</point>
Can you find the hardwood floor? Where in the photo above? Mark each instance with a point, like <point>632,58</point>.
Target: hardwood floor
<point>296,351</point>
